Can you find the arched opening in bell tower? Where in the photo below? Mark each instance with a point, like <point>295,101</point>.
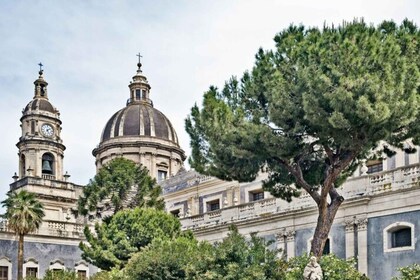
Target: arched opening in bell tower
<point>48,164</point>
<point>22,164</point>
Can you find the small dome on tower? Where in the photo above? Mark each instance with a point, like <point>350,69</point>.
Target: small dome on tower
<point>40,102</point>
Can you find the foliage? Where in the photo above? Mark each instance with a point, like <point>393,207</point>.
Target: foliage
<point>24,215</point>
<point>24,212</point>
<point>411,272</point>
<point>119,184</point>
<point>186,258</point>
<point>60,275</point>
<point>118,238</point>
<point>238,258</point>
<point>310,110</point>
<point>333,268</point>
<point>167,259</point>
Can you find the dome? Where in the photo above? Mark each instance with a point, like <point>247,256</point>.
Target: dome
<point>141,133</point>
<point>41,104</point>
<point>139,119</point>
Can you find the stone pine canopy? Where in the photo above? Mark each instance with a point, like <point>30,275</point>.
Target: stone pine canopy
<point>139,119</point>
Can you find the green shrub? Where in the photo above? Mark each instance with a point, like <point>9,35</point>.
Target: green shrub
<point>411,272</point>
<point>60,275</point>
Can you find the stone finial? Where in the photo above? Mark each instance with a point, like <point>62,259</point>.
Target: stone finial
<point>364,169</point>
<point>15,177</point>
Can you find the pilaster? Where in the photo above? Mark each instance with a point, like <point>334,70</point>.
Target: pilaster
<point>349,224</point>
<point>290,243</point>
<point>281,244</point>
<point>362,244</point>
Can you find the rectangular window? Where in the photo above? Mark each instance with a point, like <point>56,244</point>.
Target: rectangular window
<point>401,238</point>
<point>175,213</point>
<point>81,274</point>
<point>138,94</point>
<point>374,166</point>
<point>256,195</point>
<point>213,205</point>
<point>32,127</point>
<point>31,271</point>
<point>161,175</point>
<point>4,273</point>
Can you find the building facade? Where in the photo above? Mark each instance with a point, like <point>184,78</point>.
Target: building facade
<point>379,222</point>
<point>41,154</point>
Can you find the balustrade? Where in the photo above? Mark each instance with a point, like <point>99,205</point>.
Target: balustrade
<point>368,185</point>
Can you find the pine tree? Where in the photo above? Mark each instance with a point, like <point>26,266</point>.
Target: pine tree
<point>310,110</point>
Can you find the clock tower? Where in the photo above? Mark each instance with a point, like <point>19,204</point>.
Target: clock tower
<point>41,149</point>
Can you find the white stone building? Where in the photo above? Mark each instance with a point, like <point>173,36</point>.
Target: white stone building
<point>379,222</point>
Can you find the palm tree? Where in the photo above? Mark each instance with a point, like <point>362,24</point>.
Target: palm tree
<point>24,214</point>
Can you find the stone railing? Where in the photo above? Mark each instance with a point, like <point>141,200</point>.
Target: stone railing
<point>48,176</point>
<point>46,180</point>
<point>53,228</point>
<point>45,186</point>
<point>358,187</point>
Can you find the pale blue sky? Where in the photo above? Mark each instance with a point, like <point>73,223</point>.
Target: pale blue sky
<point>89,47</point>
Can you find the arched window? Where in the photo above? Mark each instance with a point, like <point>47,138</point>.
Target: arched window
<point>22,172</point>
<point>398,237</point>
<point>5,269</point>
<point>327,247</point>
<point>48,164</point>
<point>56,265</point>
<point>31,268</point>
<point>82,270</point>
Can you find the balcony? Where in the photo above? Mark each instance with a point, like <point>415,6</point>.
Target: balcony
<point>52,228</point>
<point>354,188</point>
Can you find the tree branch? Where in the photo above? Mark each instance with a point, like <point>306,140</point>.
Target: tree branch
<point>297,173</point>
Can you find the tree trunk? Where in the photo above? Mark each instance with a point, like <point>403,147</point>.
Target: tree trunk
<point>20,258</point>
<point>326,215</point>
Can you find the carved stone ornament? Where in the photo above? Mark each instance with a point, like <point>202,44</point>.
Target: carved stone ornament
<point>291,235</point>
<point>362,224</point>
<point>280,237</point>
<point>349,225</point>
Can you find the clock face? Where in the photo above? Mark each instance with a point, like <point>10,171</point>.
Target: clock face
<point>47,130</point>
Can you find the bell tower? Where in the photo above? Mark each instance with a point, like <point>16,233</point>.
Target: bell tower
<point>41,149</point>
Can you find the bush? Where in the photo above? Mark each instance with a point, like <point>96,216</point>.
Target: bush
<point>60,275</point>
<point>411,272</point>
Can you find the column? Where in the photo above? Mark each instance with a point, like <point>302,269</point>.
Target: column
<point>281,244</point>
<point>349,238</point>
<point>362,244</point>
<point>290,243</point>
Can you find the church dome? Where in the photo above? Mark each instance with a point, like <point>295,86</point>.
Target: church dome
<point>141,133</point>
<point>139,119</point>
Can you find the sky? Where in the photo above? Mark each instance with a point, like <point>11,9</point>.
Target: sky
<point>88,49</point>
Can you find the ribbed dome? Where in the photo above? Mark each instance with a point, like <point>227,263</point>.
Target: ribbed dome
<point>40,103</point>
<point>139,119</point>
